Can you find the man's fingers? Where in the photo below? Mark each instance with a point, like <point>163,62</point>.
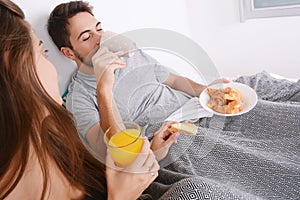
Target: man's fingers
<point>101,50</point>
<point>103,57</point>
<point>221,80</point>
<point>120,53</point>
<point>117,43</point>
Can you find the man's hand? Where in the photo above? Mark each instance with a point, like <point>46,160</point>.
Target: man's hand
<point>162,141</point>
<point>118,43</point>
<point>105,63</point>
<point>188,86</point>
<point>218,81</point>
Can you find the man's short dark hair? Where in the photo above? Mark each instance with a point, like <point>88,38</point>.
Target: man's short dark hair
<point>58,21</point>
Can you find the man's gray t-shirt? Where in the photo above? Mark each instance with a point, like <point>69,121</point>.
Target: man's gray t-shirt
<point>139,92</point>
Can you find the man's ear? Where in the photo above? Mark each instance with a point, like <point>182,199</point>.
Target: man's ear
<point>66,51</point>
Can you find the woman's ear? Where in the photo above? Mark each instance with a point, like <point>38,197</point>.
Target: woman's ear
<point>66,51</point>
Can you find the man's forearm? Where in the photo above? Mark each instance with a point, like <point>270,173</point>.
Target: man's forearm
<point>185,85</point>
<point>108,116</point>
<point>108,111</point>
<point>191,87</point>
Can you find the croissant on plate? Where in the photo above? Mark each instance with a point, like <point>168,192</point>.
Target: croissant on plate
<point>225,101</point>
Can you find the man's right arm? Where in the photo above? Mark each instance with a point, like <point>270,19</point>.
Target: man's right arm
<point>109,115</point>
<point>105,63</point>
<point>94,136</point>
<point>108,111</point>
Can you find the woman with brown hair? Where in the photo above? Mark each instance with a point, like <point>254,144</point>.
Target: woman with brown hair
<point>41,154</point>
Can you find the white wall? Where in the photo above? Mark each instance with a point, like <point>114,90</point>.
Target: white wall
<point>235,48</point>
<point>271,44</point>
<point>116,15</point>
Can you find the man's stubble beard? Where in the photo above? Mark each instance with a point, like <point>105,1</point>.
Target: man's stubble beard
<point>87,60</point>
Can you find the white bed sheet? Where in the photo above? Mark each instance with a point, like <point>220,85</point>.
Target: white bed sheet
<point>282,77</point>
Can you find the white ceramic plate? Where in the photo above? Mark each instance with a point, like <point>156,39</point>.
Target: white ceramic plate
<point>249,97</point>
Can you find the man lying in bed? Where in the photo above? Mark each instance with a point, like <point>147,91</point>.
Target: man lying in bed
<point>144,90</point>
<point>252,156</point>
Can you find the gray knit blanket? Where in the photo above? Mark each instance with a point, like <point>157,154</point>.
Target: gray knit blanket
<point>252,156</point>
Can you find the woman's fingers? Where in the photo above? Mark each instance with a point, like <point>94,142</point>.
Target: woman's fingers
<point>145,161</point>
<point>110,163</point>
<point>150,164</point>
<point>162,141</point>
<point>171,139</point>
<point>163,129</point>
<point>142,156</point>
<point>137,164</point>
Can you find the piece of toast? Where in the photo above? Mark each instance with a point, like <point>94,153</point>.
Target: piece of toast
<point>184,128</point>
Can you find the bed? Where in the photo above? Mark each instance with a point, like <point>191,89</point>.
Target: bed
<point>252,156</point>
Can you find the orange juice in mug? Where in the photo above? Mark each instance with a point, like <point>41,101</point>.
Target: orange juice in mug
<point>124,141</point>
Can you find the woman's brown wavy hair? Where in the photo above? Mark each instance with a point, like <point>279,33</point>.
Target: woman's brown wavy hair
<point>29,117</point>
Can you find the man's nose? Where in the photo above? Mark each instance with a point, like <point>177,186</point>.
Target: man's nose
<point>98,37</point>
